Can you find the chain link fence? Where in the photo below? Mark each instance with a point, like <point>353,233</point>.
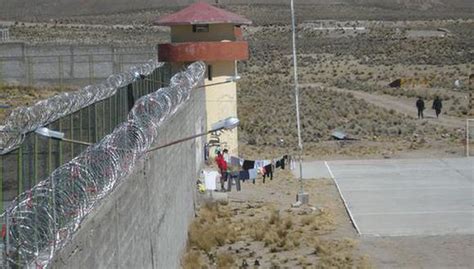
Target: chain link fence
<point>37,157</point>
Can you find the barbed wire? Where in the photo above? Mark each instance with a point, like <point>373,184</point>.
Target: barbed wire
<point>43,219</point>
<point>23,120</point>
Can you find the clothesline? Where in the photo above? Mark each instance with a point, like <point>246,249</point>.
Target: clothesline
<point>247,164</point>
<point>243,170</point>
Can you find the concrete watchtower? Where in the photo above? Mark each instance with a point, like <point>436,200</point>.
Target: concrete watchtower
<point>213,35</point>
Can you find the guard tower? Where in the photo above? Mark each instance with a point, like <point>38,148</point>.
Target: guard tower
<point>210,34</point>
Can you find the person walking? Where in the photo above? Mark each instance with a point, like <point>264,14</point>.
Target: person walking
<point>420,105</point>
<point>222,164</point>
<point>437,105</point>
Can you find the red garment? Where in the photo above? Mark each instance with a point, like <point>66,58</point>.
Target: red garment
<point>221,163</point>
<point>4,230</point>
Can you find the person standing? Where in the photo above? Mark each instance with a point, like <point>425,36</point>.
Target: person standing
<point>437,105</point>
<point>420,105</point>
<point>226,155</point>
<point>222,164</point>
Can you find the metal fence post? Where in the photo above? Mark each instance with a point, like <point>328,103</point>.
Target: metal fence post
<point>71,131</point>
<point>54,213</point>
<point>89,131</point>
<point>96,134</point>
<point>116,97</point>
<point>50,157</point>
<point>103,121</point>
<point>60,149</point>
<point>20,169</point>
<point>111,124</point>
<point>81,136</point>
<point>7,238</point>
<point>35,159</point>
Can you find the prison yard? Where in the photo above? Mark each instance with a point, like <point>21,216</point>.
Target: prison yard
<point>361,68</point>
<point>360,55</point>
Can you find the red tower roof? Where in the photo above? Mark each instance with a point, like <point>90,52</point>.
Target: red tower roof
<point>201,13</point>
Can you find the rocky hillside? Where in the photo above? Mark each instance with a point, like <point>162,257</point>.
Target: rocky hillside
<point>45,9</point>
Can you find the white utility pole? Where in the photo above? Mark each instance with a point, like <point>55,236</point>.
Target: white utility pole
<point>301,196</point>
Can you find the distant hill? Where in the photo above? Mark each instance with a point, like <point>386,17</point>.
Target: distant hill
<point>29,10</point>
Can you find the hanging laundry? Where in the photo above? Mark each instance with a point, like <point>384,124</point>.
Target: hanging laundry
<point>253,175</point>
<point>235,161</point>
<point>280,163</point>
<point>248,165</point>
<point>268,172</point>
<point>292,164</point>
<point>259,164</point>
<point>262,172</point>
<point>244,175</point>
<point>210,179</point>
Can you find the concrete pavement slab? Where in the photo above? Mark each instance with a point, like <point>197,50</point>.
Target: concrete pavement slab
<point>406,196</point>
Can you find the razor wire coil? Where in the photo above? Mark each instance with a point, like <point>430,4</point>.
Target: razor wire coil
<point>43,219</point>
<point>26,119</point>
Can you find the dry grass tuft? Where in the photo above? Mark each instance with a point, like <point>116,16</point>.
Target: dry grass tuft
<point>274,217</point>
<point>212,228</point>
<point>288,223</point>
<point>225,260</point>
<point>339,254</point>
<point>225,234</point>
<point>192,260</point>
<point>323,222</point>
<point>307,220</point>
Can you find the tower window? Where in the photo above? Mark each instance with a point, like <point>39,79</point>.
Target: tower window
<point>200,28</point>
<point>209,72</point>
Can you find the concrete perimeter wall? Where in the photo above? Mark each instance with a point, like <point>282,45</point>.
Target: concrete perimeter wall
<point>143,223</point>
<point>67,64</point>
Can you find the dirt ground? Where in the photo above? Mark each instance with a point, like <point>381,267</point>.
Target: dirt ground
<point>447,251</point>
<point>12,96</point>
<point>259,225</point>
<point>344,75</point>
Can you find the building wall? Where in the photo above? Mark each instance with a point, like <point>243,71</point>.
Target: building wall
<point>143,223</point>
<point>221,101</point>
<point>67,64</point>
<point>217,32</point>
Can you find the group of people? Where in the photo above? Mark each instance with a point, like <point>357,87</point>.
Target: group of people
<point>437,105</point>
<point>235,169</point>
